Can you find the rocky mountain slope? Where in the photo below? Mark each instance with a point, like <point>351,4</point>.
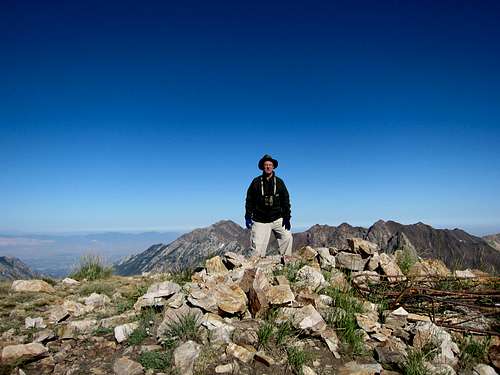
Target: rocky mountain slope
<point>13,268</point>
<point>321,311</point>
<point>493,240</point>
<point>188,250</point>
<point>456,248</point>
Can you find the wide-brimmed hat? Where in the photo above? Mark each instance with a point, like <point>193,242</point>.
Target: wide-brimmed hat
<point>267,157</point>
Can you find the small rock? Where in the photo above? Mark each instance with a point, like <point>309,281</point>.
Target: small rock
<point>122,332</point>
<point>326,260</point>
<point>306,318</point>
<point>307,253</point>
<point>391,268</point>
<point>34,286</point>
<point>44,336</point>
<point>428,332</point>
<point>483,369</point>
<point>280,295</point>
<point>125,366</point>
<point>364,279</point>
<point>224,369</point>
<point>23,352</point>
<point>310,278</point>
<point>69,281</point>
<point>368,322</point>
<point>359,245</point>
<point>76,327</point>
<point>331,340</point>
<point>185,355</point>
<point>215,266</point>
<point>417,318</point>
<point>466,274</point>
<point>391,351</point>
<point>230,298</point>
<point>353,262</point>
<point>96,300</point>
<point>262,357</point>
<point>239,352</point>
<point>373,262</point>
<point>58,314</point>
<point>354,368</point>
<point>34,323</point>
<point>428,267</point>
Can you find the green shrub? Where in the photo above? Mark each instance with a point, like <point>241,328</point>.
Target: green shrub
<point>343,318</point>
<point>184,328</point>
<point>283,332</point>
<point>297,358</point>
<point>264,333</point>
<point>156,360</point>
<point>290,270</point>
<point>415,363</point>
<point>142,332</point>
<point>406,260</point>
<point>103,331</point>
<point>473,351</point>
<point>91,267</point>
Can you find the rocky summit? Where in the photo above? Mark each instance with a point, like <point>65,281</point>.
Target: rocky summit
<point>456,248</point>
<point>348,309</point>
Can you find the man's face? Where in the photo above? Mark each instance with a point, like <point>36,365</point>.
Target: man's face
<point>268,167</point>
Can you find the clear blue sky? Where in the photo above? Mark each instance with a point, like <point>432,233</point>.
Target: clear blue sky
<point>153,115</point>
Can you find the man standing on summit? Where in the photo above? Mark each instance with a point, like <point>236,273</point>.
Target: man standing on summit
<point>268,210</point>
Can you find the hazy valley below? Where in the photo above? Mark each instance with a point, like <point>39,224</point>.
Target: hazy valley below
<point>55,255</point>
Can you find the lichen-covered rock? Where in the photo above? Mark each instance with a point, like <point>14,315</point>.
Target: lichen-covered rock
<point>310,278</point>
<point>350,261</point>
<point>364,279</point>
<point>280,295</point>
<point>33,286</point>
<point>239,352</point>
<point>122,332</point>
<point>34,322</point>
<point>230,298</point>
<point>428,267</point>
<point>214,266</point>
<point>23,352</point>
<point>429,333</point>
<point>125,366</point>
<point>96,300</point>
<point>326,260</point>
<point>306,318</point>
<point>391,268</point>
<point>77,327</point>
<point>185,355</point>
<point>358,245</point>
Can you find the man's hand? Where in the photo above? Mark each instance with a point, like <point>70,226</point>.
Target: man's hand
<point>286,223</point>
<point>248,222</point>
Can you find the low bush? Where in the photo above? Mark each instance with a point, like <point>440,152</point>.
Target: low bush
<point>91,267</point>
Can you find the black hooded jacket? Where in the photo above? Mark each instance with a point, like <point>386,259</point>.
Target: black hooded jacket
<point>256,208</point>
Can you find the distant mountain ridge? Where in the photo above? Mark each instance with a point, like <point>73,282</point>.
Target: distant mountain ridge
<point>12,268</point>
<point>493,240</point>
<point>187,250</point>
<point>457,248</point>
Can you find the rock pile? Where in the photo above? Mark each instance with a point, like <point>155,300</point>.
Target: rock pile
<point>237,315</point>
